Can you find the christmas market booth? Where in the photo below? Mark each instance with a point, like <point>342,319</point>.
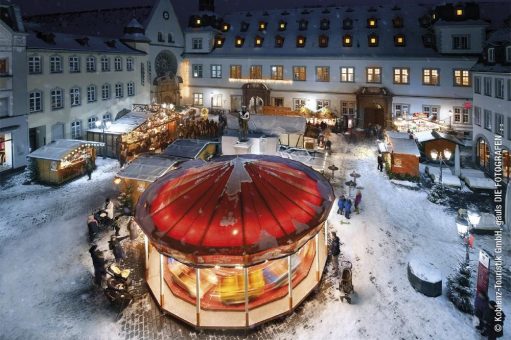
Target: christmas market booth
<point>64,159</point>
<point>237,241</point>
<point>146,128</point>
<point>400,153</point>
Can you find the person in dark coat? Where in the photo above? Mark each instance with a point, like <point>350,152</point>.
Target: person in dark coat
<point>133,230</point>
<point>328,145</point>
<point>380,162</point>
<point>481,304</point>
<point>335,250</point>
<point>358,199</point>
<point>93,226</point>
<point>89,167</point>
<point>494,321</point>
<point>115,246</point>
<point>98,261</point>
<point>341,204</point>
<point>347,209</point>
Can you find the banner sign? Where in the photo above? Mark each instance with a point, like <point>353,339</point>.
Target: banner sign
<point>483,279</point>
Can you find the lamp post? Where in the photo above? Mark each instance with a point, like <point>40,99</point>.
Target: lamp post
<point>103,124</point>
<point>442,156</point>
<point>473,218</point>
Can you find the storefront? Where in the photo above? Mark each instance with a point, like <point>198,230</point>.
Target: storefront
<point>483,154</point>
<point>13,143</point>
<point>237,241</point>
<point>5,151</point>
<point>400,153</point>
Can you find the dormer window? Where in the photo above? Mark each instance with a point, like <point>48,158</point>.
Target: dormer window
<point>219,41</point>
<point>300,41</point>
<point>239,41</point>
<point>323,41</point>
<point>282,25</point>
<point>279,41</point>
<point>508,57</point>
<point>347,40</point>
<point>399,40</point>
<point>324,24</point>
<point>244,26</point>
<point>371,22</point>
<point>347,24</point>
<point>459,12</point>
<point>198,21</point>
<point>372,40</point>
<point>225,27</point>
<point>302,25</point>
<point>258,42</point>
<point>491,55</point>
<point>397,22</point>
<point>262,25</point>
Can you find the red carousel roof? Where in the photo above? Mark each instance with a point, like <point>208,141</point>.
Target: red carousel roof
<point>234,209</point>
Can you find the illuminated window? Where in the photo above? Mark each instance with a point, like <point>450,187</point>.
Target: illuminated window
<point>239,41</point>
<point>219,41</point>
<point>198,21</point>
<point>373,40</point>
<point>459,12</point>
<point>197,70</point>
<point>399,40</point>
<point>256,72</point>
<point>277,72</point>
<point>347,40</point>
<point>323,41</point>
<point>279,41</point>
<point>401,76</point>
<point>216,71</point>
<point>300,73</point>
<point>347,74</point>
<point>258,42</point>
<point>371,23</point>
<point>235,71</point>
<point>225,27</point>
<point>282,25</point>
<point>431,76</point>
<point>198,99</point>
<point>461,77</point>
<point>300,41</point>
<point>322,73</point>
<point>373,75</point>
<point>262,25</point>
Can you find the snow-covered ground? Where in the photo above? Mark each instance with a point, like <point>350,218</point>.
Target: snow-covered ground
<point>46,288</point>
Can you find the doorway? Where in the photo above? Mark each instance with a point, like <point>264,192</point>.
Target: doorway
<point>373,116</point>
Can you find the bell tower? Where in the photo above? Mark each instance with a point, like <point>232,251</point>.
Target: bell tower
<point>206,5</point>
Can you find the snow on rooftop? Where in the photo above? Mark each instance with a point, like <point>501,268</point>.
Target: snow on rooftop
<point>126,123</point>
<point>186,148</point>
<point>148,167</point>
<point>57,150</point>
<point>403,146</point>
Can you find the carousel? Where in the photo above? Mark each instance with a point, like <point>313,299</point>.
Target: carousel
<point>237,241</point>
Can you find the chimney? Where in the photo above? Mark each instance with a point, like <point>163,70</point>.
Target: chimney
<point>206,5</point>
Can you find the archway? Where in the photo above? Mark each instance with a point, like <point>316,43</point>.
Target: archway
<point>255,105</point>
<point>258,93</point>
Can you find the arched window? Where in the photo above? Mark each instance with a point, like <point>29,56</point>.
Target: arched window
<point>506,165</point>
<point>483,154</point>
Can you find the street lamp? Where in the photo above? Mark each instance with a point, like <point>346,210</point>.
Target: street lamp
<point>442,157</point>
<point>473,218</point>
<point>465,222</point>
<point>103,124</point>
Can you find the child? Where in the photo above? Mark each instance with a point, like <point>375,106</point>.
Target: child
<point>358,199</point>
<point>341,203</point>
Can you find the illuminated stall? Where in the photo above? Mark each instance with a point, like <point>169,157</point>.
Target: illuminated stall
<point>237,241</point>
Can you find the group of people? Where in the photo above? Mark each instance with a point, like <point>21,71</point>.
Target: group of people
<point>490,324</point>
<point>202,128</point>
<point>345,205</point>
<point>375,130</point>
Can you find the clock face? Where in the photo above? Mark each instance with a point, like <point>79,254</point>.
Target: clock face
<point>166,15</point>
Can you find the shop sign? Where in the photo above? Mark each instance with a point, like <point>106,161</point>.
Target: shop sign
<point>483,278</point>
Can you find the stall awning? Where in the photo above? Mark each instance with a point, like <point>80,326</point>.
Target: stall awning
<point>57,150</point>
<point>149,167</point>
<point>403,146</point>
<point>125,124</point>
<point>186,148</point>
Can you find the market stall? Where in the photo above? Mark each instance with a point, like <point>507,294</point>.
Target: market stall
<point>63,160</point>
<point>400,153</point>
<point>237,241</point>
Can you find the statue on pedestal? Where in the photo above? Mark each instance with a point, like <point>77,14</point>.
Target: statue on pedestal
<point>243,119</point>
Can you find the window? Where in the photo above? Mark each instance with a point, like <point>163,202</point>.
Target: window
<point>262,25</point>
<point>197,44</point>
<point>401,76</point>
<point>461,42</point>
<point>129,64</point>
<point>509,89</point>
<point>487,86</point>
<point>321,103</point>
<point>282,25</point>
<point>56,64</point>
<point>107,117</point>
<point>197,70</point>
<point>256,72</point>
<point>142,74</point>
<point>118,64</point>
<point>324,24</point>
<point>91,93</point>
<point>130,87</point>
<point>225,27</point>
<point>216,71</point>
<point>35,101</point>
<point>91,122</point>
<point>170,39</point>
<point>399,40</point>
<point>34,65</point>
<point>461,77</point>
<point>477,85</point>
<point>397,22</point>
<point>300,73</point>
<point>347,24</point>
<point>244,26</point>
<point>105,64</point>
<point>216,100</point>
<point>431,111</point>
<point>322,73</point>
<point>76,98</point>
<point>508,54</point>
<point>401,110</point>
<point>118,90</point>
<point>239,41</point>
<point>76,129</point>
<point>298,103</point>
<point>347,40</point>
<point>302,25</point>
<point>278,101</point>
<point>371,22</point>
<point>90,64</point>
<point>105,92</point>
<point>4,69</point>
<point>219,41</point>
<point>461,115</point>
<point>373,75</point>
<point>323,41</point>
<point>235,72</point>
<point>347,74</point>
<point>277,72</point>
<point>487,119</point>
<point>491,55</point>
<point>149,71</point>
<point>459,12</point>
<point>160,37</point>
<point>372,40</point>
<point>57,98</point>
<point>74,64</point>
<point>509,128</point>
<point>499,124</point>
<point>430,76</point>
<point>279,41</point>
<point>347,108</point>
<point>499,88</point>
<point>198,99</point>
<point>477,115</point>
<point>258,42</point>
<point>300,41</point>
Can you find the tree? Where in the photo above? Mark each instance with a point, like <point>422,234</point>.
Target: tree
<point>459,290</point>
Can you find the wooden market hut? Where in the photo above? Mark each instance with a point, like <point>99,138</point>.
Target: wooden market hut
<point>435,140</point>
<point>63,159</point>
<point>400,153</point>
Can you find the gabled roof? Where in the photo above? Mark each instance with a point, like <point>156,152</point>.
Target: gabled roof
<point>57,150</point>
<point>186,148</point>
<point>149,167</point>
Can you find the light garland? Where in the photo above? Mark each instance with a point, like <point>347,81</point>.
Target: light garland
<point>264,81</point>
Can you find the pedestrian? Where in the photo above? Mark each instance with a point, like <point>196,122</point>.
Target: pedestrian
<point>335,250</point>
<point>358,199</point>
<point>133,230</point>
<point>328,145</point>
<point>347,209</point>
<point>109,208</point>
<point>93,226</point>
<point>115,246</point>
<point>493,321</point>
<point>98,261</point>
<point>89,167</point>
<point>380,162</point>
<point>340,204</point>
<point>481,304</point>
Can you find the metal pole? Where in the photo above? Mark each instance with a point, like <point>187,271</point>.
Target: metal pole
<point>317,256</point>
<point>441,161</point>
<point>197,293</point>
<point>146,251</point>
<point>245,275</point>
<point>104,141</point>
<point>161,281</point>
<point>289,285</point>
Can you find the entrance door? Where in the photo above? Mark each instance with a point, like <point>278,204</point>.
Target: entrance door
<point>57,131</point>
<point>373,116</point>
<point>37,137</point>
<point>236,103</point>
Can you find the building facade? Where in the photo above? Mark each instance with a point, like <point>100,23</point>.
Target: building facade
<point>13,90</point>
<point>492,104</point>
